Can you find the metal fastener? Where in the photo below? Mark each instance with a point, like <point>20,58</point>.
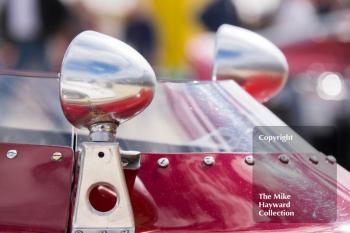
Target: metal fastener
<point>314,159</point>
<point>283,158</point>
<point>56,156</point>
<point>249,160</point>
<point>11,154</point>
<point>104,231</point>
<point>163,162</point>
<point>78,231</point>
<point>209,160</point>
<point>331,159</point>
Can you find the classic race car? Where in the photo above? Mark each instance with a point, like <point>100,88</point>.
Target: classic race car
<point>203,156</point>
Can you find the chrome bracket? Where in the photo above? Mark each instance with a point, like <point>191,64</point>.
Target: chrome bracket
<point>131,160</point>
<point>101,164</point>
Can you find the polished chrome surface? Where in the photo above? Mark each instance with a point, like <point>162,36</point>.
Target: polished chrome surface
<point>100,163</point>
<point>103,80</point>
<point>314,159</point>
<point>163,162</point>
<point>57,156</point>
<point>103,132</point>
<point>283,158</point>
<point>131,160</point>
<point>251,60</point>
<point>11,154</point>
<point>331,159</point>
<point>209,160</point>
<point>249,159</point>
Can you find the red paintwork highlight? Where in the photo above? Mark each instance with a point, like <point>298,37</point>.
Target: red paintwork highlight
<point>34,189</point>
<point>260,86</point>
<point>189,196</point>
<point>330,54</point>
<point>124,108</point>
<point>103,198</point>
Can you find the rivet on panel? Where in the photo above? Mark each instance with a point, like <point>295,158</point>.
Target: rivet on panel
<point>314,159</point>
<point>249,160</point>
<point>56,156</point>
<point>209,160</point>
<point>283,158</point>
<point>163,162</point>
<point>331,159</point>
<point>11,154</point>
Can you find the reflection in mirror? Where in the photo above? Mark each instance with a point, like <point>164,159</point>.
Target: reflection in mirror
<point>103,80</point>
<point>251,60</point>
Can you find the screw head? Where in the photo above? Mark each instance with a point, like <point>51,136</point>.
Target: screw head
<point>56,156</point>
<point>11,154</point>
<point>209,160</point>
<point>314,159</point>
<point>283,158</point>
<point>331,159</point>
<point>249,160</point>
<point>163,162</point>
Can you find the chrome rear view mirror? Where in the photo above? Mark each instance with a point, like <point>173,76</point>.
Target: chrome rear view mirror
<point>251,60</point>
<point>103,82</point>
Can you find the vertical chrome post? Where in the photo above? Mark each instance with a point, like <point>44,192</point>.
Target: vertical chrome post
<point>103,83</point>
<point>100,166</point>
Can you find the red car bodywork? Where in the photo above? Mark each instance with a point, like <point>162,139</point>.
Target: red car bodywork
<point>34,189</point>
<point>186,196</point>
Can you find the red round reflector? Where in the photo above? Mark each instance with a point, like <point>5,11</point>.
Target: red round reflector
<point>103,197</point>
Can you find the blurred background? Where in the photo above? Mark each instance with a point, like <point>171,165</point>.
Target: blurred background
<point>177,38</point>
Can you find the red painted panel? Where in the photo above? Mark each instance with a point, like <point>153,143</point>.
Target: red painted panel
<point>34,189</point>
<point>189,196</point>
<point>186,196</point>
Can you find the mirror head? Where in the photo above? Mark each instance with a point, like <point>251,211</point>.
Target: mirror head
<point>103,82</point>
<point>251,60</point>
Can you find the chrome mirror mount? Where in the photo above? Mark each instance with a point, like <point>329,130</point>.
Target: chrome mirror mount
<point>251,60</point>
<point>103,82</point>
